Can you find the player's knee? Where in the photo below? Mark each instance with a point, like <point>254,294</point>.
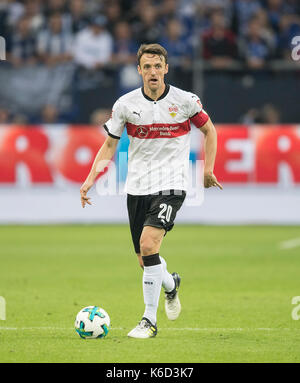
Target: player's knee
<point>148,245</point>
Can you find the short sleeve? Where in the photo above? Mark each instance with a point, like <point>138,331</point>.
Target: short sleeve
<point>197,114</point>
<point>115,125</point>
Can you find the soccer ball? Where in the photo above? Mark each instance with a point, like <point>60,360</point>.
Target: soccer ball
<point>92,322</point>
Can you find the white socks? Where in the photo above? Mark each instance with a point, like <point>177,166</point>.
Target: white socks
<point>152,280</point>
<point>154,277</point>
<point>168,282</point>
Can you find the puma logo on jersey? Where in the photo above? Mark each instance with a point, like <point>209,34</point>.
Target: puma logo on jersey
<point>139,114</point>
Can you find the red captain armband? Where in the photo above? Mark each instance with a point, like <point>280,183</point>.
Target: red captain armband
<point>200,119</point>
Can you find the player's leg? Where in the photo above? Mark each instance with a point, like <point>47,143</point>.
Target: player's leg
<point>137,207</point>
<point>150,243</point>
<point>163,211</point>
<point>170,282</point>
<point>155,273</point>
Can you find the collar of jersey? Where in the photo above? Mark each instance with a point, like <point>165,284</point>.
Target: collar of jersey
<point>166,91</point>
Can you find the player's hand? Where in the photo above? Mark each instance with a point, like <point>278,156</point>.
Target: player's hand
<point>83,193</point>
<point>211,180</point>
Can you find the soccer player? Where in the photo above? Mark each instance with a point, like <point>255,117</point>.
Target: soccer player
<point>158,120</point>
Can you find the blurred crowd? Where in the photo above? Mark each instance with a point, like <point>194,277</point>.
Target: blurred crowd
<point>95,34</point>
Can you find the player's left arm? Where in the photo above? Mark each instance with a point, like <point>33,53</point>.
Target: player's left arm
<point>202,121</point>
<point>210,151</point>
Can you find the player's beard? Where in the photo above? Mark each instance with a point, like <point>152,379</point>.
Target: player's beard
<point>155,87</point>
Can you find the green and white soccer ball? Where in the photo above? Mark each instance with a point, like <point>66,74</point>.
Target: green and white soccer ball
<point>92,322</point>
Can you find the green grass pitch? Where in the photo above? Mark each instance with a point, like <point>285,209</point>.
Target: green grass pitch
<point>236,294</point>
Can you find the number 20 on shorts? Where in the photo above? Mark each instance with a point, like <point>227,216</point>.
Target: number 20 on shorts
<point>166,211</point>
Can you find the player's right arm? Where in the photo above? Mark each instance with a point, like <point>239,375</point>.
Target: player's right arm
<point>114,128</point>
<point>102,159</point>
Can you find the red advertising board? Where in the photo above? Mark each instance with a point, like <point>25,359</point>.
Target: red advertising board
<point>246,154</point>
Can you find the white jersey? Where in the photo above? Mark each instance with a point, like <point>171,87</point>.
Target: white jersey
<point>159,134</point>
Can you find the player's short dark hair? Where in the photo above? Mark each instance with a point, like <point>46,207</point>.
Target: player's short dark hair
<point>152,49</point>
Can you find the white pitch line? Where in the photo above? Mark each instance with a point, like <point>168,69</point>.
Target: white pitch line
<point>217,329</point>
<point>290,244</point>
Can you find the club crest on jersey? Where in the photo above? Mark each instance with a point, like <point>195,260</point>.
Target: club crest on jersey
<point>142,131</point>
<point>173,110</point>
